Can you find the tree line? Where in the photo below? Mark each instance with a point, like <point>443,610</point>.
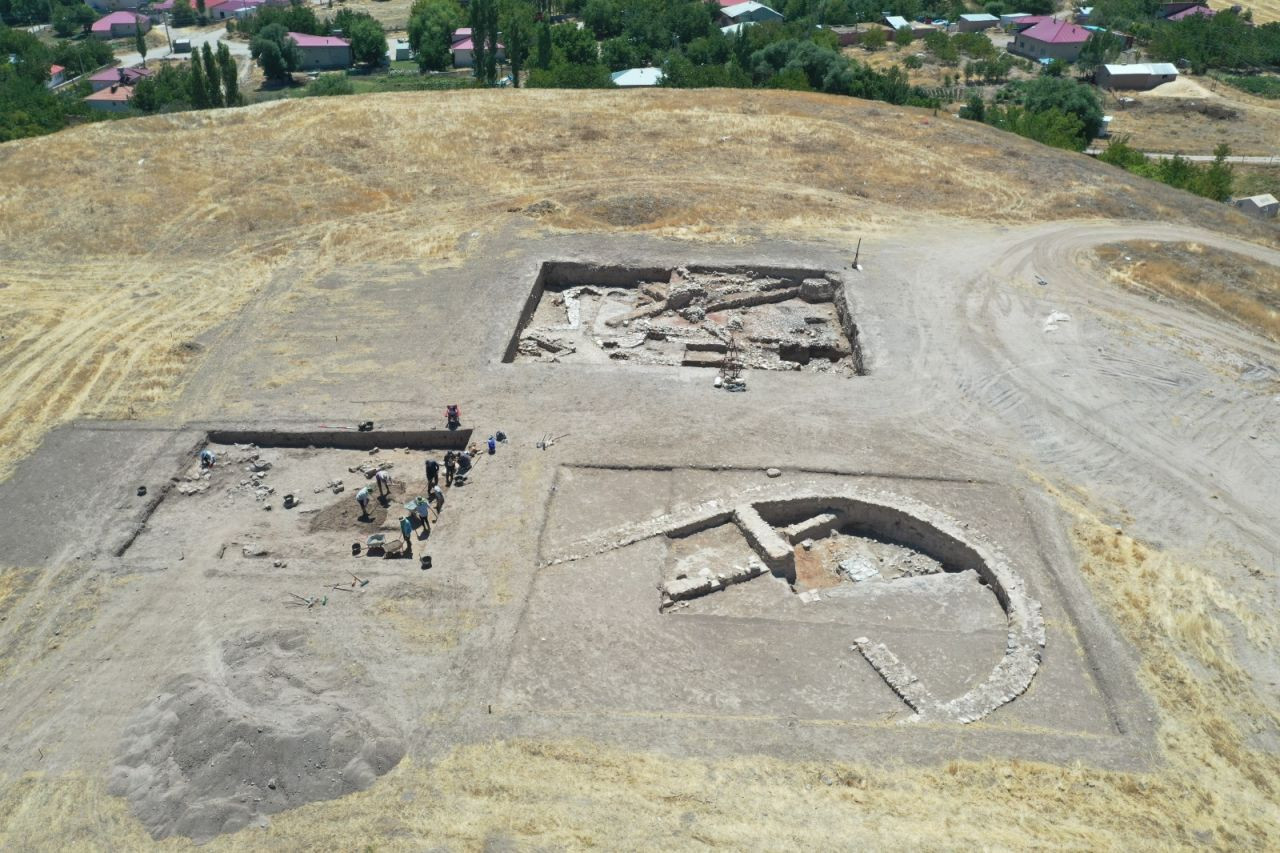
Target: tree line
<point>209,81</point>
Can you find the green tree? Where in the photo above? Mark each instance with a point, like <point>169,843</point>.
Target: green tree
<point>200,9</point>
<point>330,84</point>
<point>199,92</point>
<point>1217,178</point>
<point>140,44</point>
<point>1100,49</point>
<point>166,90</point>
<point>431,27</point>
<point>1052,127</point>
<point>903,37</point>
<point>542,57</point>
<point>276,53</point>
<point>212,77</point>
<point>975,109</point>
<point>603,18</point>
<point>517,25</point>
<point>368,41</point>
<point>1046,93</point>
<point>484,40</point>
<point>230,75</point>
<point>874,38</point>
<point>619,54</point>
<point>183,15</point>
<point>573,45</point>
<point>64,22</point>
<point>564,75</point>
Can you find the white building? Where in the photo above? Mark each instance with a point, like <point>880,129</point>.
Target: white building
<point>976,23</point>
<point>633,78</point>
<point>1144,75</point>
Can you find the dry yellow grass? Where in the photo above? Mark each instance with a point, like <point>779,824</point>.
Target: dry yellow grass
<point>165,227</point>
<point>1219,282</point>
<point>1212,791</point>
<point>1207,114</point>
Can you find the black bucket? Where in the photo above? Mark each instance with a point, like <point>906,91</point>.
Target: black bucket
<point>355,549</point>
<point>425,560</point>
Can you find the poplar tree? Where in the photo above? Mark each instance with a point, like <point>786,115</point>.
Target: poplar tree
<point>212,78</point>
<point>230,76</point>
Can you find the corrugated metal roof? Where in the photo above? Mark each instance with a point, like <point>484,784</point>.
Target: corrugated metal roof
<point>980,16</point>
<point>896,21</point>
<point>637,77</point>
<point>1158,69</point>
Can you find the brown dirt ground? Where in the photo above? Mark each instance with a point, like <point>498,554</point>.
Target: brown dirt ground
<point>1222,283</point>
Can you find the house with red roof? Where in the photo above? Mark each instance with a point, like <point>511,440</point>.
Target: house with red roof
<point>118,25</point>
<point>1049,40</point>
<point>1194,11</point>
<point>320,52</point>
<point>1178,11</point>
<point>117,76</point>
<point>463,49</point>
<point>57,76</point>
<point>113,99</point>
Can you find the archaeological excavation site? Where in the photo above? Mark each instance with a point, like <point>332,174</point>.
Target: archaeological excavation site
<point>731,318</point>
<point>513,545</point>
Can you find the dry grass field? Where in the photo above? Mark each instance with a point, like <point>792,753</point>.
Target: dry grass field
<point>1222,283</point>
<point>104,295</point>
<point>1192,116</point>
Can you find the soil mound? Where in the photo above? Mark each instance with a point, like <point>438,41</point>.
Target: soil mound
<point>270,731</point>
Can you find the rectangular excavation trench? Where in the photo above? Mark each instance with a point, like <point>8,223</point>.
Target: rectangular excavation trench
<point>422,439</point>
<point>778,318</point>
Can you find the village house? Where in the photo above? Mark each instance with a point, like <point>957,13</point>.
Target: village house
<point>1178,11</point>
<point>463,49</point>
<point>1264,206</point>
<point>748,12</point>
<point>109,77</point>
<point>918,29</point>
<point>976,23</point>
<point>112,99</point>
<point>57,76</point>
<point>322,52</point>
<point>633,78</point>
<point>113,5</point>
<point>1146,75</point>
<point>1050,40</point>
<point>118,25</point>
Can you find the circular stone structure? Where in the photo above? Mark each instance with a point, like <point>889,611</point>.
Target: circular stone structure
<point>761,513</point>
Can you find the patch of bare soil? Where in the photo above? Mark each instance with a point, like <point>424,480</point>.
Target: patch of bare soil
<point>1219,282</point>
<point>273,730</point>
<point>344,512</point>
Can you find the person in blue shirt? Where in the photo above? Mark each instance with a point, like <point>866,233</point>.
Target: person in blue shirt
<point>406,530</point>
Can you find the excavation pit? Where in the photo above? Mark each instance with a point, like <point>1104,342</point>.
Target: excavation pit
<point>236,512</point>
<point>763,318</point>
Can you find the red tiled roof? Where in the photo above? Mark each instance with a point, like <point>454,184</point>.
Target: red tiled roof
<point>103,24</point>
<point>469,44</point>
<point>1057,32</point>
<point>113,75</point>
<point>55,69</point>
<point>307,40</point>
<point>1194,10</point>
<point>111,93</point>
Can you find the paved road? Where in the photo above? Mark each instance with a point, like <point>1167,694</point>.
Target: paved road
<point>239,49</point>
